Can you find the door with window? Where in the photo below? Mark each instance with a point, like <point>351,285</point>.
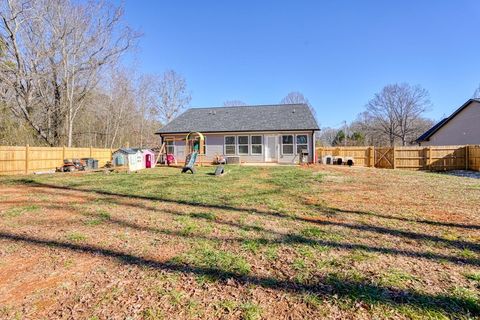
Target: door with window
<point>270,148</point>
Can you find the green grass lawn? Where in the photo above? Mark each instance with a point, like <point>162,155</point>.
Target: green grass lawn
<point>258,242</point>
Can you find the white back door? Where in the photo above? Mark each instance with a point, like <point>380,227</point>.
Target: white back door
<point>270,148</point>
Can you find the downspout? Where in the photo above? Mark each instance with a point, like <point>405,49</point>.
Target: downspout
<point>314,151</point>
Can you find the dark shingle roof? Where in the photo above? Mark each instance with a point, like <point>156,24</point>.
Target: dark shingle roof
<point>430,132</point>
<point>243,118</point>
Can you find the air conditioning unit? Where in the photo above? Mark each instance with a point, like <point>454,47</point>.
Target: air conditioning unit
<point>232,159</point>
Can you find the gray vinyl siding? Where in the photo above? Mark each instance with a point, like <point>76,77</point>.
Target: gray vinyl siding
<point>215,145</point>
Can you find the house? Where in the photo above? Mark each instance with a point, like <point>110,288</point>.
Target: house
<point>249,134</point>
<point>461,128</point>
<point>134,158</point>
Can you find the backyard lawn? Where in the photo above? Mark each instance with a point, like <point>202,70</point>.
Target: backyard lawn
<point>256,243</point>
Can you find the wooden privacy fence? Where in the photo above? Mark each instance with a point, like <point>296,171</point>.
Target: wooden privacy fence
<point>24,160</point>
<point>435,158</point>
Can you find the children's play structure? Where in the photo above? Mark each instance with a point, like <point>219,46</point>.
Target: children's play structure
<point>194,150</point>
<point>195,147</point>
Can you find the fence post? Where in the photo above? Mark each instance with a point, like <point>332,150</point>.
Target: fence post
<point>27,157</point>
<point>425,158</point>
<point>371,155</point>
<point>91,152</point>
<point>467,153</point>
<point>63,153</point>
<point>394,159</point>
<point>429,158</point>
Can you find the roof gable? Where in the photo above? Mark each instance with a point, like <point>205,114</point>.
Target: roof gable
<point>243,118</point>
<point>128,150</point>
<point>430,132</point>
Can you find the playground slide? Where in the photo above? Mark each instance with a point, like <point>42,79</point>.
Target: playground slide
<point>190,162</point>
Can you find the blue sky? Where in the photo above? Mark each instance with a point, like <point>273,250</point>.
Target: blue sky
<point>338,53</point>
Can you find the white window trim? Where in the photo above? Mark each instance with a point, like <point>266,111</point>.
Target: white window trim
<point>167,146</point>
<point>256,144</point>
<point>243,144</point>
<point>225,145</point>
<point>205,145</point>
<point>287,144</point>
<point>301,144</point>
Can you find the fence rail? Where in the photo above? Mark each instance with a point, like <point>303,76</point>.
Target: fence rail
<point>26,159</point>
<point>435,158</point>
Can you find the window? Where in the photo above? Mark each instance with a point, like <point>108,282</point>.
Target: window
<point>169,144</point>
<point>257,144</point>
<point>242,144</point>
<point>230,145</point>
<point>302,143</point>
<point>287,144</point>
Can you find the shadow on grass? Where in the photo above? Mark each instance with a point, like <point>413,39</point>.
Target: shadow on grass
<point>280,238</point>
<point>289,238</point>
<point>324,287</point>
<point>334,211</point>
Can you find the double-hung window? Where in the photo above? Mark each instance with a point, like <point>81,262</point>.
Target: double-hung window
<point>257,144</point>
<point>170,146</point>
<point>302,143</point>
<point>287,144</point>
<point>229,145</point>
<point>242,144</point>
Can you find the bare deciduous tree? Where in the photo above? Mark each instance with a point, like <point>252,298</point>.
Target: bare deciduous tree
<point>146,104</point>
<point>171,96</point>
<point>118,112</point>
<point>234,103</point>
<point>295,97</point>
<point>56,51</point>
<point>476,93</point>
<point>396,112</point>
<point>327,136</point>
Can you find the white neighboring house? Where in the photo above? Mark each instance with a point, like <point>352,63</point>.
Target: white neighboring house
<point>132,158</point>
<point>461,128</point>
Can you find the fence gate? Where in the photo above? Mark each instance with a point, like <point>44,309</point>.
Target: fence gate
<point>385,158</point>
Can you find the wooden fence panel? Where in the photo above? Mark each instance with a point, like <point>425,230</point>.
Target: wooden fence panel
<point>447,158</point>
<point>435,158</point>
<point>42,159</point>
<point>77,153</point>
<point>474,158</point>
<point>411,158</point>
<point>12,160</point>
<point>22,160</point>
<point>360,154</point>
<point>431,158</point>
